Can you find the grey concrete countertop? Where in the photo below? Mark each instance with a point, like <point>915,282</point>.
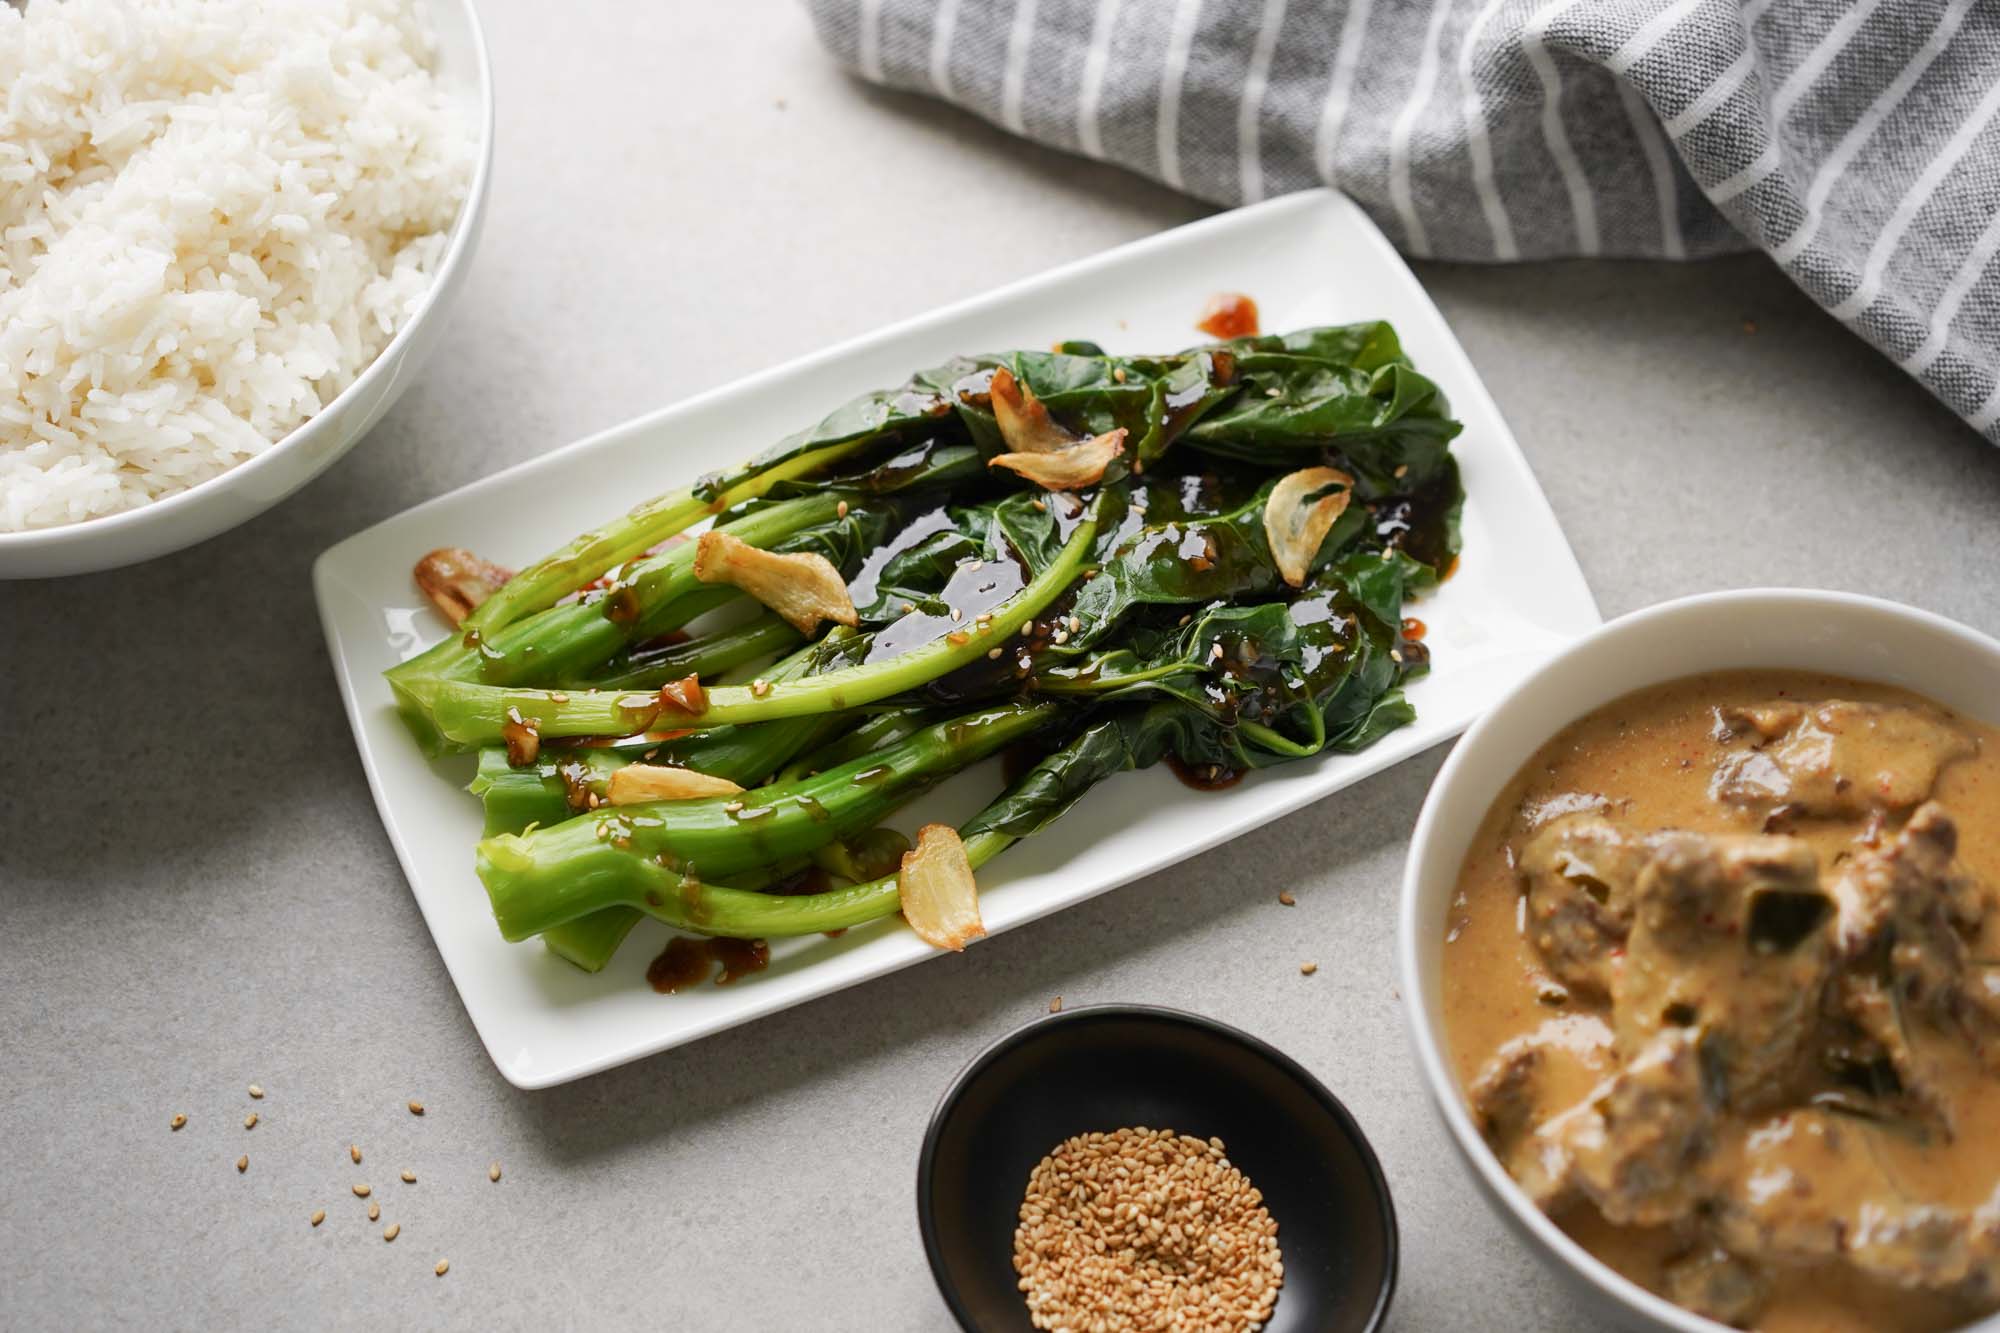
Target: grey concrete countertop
<point>195,893</point>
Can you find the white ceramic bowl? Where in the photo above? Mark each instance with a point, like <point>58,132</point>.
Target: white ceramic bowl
<point>1814,631</point>
<point>243,492</point>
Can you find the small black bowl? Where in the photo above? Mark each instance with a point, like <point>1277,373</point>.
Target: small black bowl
<point>1111,1066</point>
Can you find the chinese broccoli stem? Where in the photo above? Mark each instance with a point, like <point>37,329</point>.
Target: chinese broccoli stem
<point>464,715</point>
<point>637,855</point>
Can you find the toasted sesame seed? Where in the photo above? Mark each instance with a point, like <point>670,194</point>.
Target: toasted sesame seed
<point>250,1121</point>
<point>416,1108</point>
<point>759,688</point>
<point>1307,969</point>
<point>444,1266</point>
<point>958,638</point>
<point>243,1163</point>
<point>361,1191</point>
<point>394,1230</point>
<point>1285,897</point>
<point>177,1122</point>
<point>1055,1005</point>
<point>1061,636</point>
<point>1186,618</point>
<point>319,1216</point>
<point>558,697</point>
<point>840,511</point>
<point>1041,505</point>
<point>374,1212</point>
<point>409,1177</point>
<point>1402,469</point>
<point>493,1172</point>
<point>1141,1229</point>
<point>733,808</point>
<point>256,1093</point>
<point>1395,654</point>
<point>992,653</point>
<point>354,1154</point>
<point>1215,651</point>
<point>909,607</point>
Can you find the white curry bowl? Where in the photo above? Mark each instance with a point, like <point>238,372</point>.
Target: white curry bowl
<point>1839,633</point>
<point>251,487</point>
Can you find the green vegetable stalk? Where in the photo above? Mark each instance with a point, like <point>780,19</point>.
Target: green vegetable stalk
<point>562,785</point>
<point>465,715</point>
<point>637,855</point>
<point>858,427</point>
<point>709,655</point>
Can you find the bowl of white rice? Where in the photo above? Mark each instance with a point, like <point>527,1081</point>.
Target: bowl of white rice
<point>229,233</point>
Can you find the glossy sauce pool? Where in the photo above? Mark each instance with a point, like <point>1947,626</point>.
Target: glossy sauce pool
<point>1651,754</point>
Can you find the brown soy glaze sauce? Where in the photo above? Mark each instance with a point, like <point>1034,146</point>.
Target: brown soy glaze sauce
<point>576,781</point>
<point>523,738</point>
<point>974,589</point>
<point>990,679</point>
<point>1017,759</point>
<point>811,880</point>
<point>687,962</point>
<point>1228,315</point>
<point>863,587</point>
<point>1204,777</point>
<point>1417,524</point>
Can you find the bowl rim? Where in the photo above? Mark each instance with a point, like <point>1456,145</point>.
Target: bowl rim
<point>1555,1245</point>
<point>463,233</point>
<point>927,1225</point>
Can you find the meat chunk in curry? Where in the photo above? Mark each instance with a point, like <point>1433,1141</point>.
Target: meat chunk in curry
<point>1579,872</point>
<point>1834,760</point>
<point>1761,1063</point>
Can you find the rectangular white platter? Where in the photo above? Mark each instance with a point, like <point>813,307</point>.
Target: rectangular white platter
<point>1307,259</point>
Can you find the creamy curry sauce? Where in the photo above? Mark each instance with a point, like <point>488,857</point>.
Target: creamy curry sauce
<point>1722,984</point>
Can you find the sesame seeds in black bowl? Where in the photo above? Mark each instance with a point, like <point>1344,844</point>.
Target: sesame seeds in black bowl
<point>1287,1147</point>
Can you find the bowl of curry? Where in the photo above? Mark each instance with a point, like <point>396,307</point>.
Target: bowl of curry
<point>1701,927</point>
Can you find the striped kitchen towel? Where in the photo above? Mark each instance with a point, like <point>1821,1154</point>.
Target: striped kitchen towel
<point>1854,140</point>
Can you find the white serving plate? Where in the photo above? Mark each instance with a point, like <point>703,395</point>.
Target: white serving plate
<point>1308,259</point>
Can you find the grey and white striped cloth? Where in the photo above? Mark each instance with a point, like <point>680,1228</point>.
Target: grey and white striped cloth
<point>1854,140</point>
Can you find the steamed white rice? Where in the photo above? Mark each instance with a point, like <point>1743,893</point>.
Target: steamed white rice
<point>213,215</point>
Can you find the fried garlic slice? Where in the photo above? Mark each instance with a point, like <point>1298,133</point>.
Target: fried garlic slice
<point>636,783</point>
<point>939,896</point>
<point>803,589</point>
<point>1039,448</point>
<point>1024,421</point>
<point>456,581</point>
<point>1070,469</point>
<point>1302,509</point>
